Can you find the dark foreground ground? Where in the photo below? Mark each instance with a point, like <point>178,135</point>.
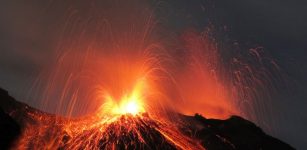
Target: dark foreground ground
<point>234,133</point>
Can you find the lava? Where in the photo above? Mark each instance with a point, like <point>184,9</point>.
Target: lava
<point>127,123</point>
<point>119,61</point>
<point>114,131</point>
<point>129,103</point>
<point>111,87</point>
<point>115,83</point>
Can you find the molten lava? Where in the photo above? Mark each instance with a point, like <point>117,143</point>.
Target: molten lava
<point>131,103</point>
<point>124,121</point>
<point>129,107</point>
<point>123,82</point>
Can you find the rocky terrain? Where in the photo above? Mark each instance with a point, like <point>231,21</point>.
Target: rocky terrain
<point>234,133</point>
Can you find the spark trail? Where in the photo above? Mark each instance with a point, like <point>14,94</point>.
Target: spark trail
<point>119,82</point>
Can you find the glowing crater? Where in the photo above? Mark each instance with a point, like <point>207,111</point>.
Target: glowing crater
<point>128,106</point>
<point>132,103</point>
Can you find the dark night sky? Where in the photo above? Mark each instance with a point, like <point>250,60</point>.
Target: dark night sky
<point>278,26</point>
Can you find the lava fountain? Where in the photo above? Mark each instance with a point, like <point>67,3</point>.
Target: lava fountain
<point>106,59</point>
<point>108,86</point>
<point>116,83</point>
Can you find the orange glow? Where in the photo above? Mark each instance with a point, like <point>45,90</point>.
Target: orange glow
<point>119,78</point>
<point>128,104</point>
<point>200,84</point>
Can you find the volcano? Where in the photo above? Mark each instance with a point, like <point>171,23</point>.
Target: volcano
<point>24,127</point>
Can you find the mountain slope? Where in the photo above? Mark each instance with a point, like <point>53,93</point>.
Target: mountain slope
<point>25,127</point>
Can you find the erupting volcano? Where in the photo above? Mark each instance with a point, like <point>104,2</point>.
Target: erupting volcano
<point>28,128</point>
<point>120,79</point>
